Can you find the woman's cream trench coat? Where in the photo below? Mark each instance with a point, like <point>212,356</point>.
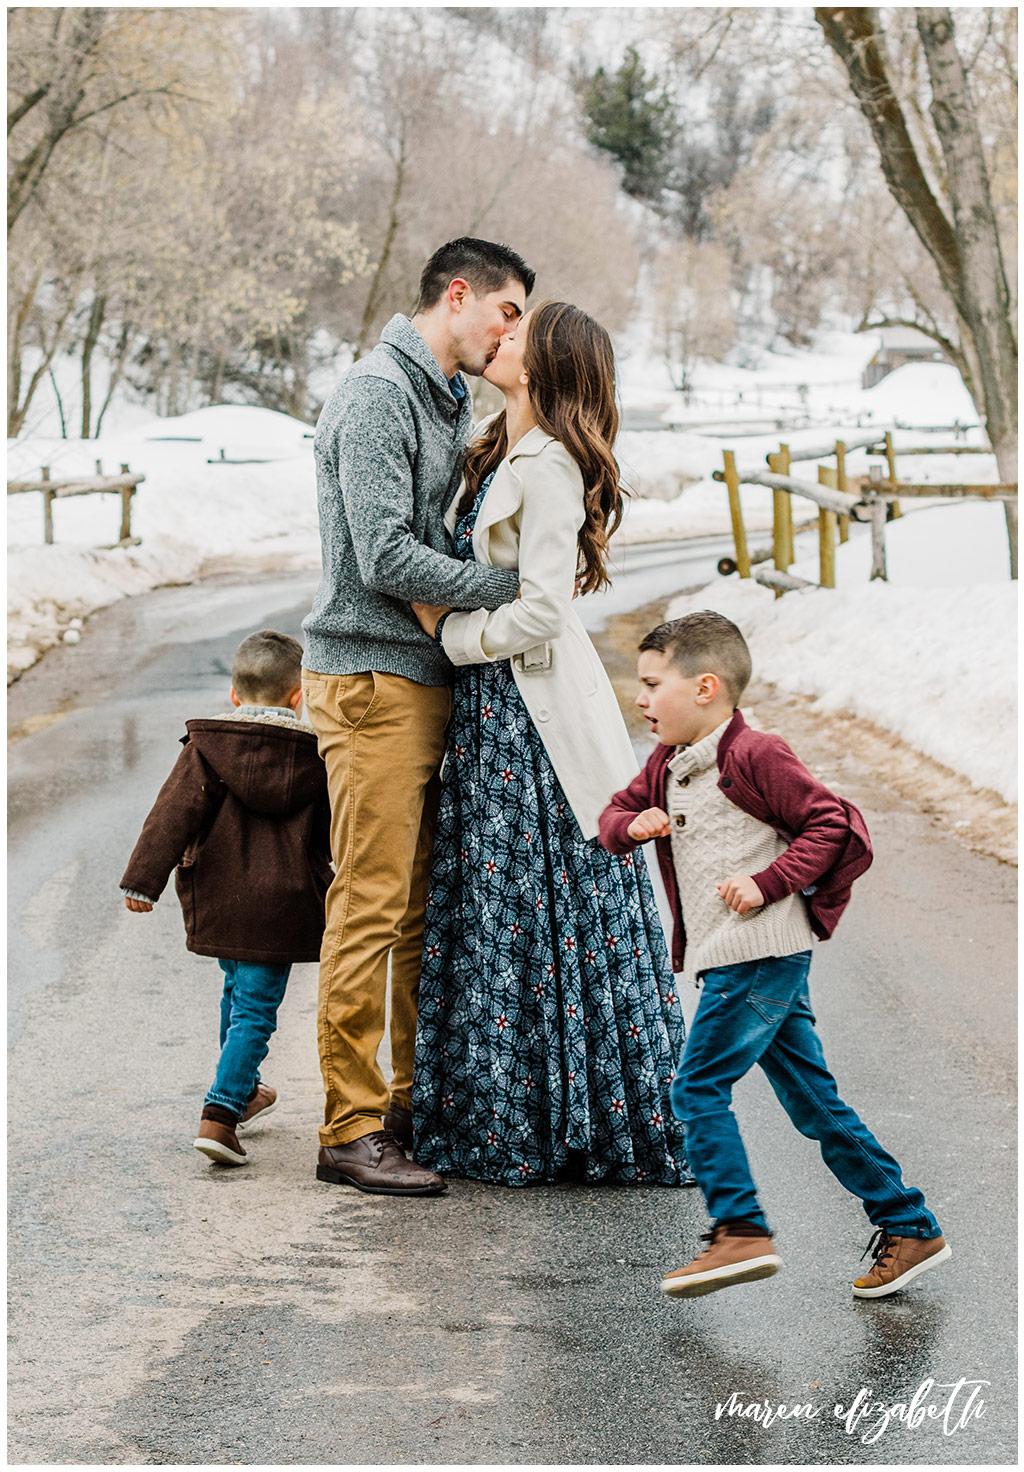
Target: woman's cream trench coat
<point>530,519</point>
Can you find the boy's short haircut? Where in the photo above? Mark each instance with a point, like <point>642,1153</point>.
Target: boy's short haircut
<point>702,642</point>
<point>266,667</point>
<point>483,263</point>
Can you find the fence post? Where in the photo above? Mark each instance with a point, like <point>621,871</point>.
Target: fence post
<point>890,455</point>
<point>784,469</point>
<point>47,510</point>
<point>780,510</point>
<point>127,493</point>
<point>739,534</point>
<point>841,485</point>
<point>827,532</point>
<point>878,510</point>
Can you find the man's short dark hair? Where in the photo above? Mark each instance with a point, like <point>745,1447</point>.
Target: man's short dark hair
<point>485,265</point>
<point>266,667</point>
<point>703,642</point>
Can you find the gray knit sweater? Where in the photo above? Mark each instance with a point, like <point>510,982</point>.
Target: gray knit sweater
<point>388,449</point>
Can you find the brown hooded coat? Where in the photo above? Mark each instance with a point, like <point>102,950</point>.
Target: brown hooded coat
<point>244,821</point>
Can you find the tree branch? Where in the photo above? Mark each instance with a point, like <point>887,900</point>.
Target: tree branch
<point>27,103</point>
<point>928,331</point>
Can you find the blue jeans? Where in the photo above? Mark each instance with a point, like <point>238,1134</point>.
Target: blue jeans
<point>248,1017</point>
<point>760,1012</point>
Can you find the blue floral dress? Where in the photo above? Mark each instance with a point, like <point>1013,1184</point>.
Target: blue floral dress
<point>549,1023</point>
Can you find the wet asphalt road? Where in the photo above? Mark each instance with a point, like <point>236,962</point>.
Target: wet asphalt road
<point>165,1311</point>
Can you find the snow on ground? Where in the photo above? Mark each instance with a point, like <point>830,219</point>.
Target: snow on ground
<point>930,655</point>
<point>193,518</point>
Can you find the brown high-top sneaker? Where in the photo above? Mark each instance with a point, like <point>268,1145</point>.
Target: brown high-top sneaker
<point>219,1142</point>
<point>261,1101</point>
<point>739,1252</point>
<point>898,1260</point>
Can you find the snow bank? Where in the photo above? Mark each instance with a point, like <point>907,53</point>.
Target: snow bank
<point>922,394</point>
<point>930,655</point>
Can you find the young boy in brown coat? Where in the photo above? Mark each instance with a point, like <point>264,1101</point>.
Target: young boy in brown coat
<point>244,822</point>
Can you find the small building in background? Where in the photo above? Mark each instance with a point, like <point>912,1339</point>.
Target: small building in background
<point>899,345</point>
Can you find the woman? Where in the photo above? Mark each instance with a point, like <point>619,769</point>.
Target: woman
<point>548,1020</point>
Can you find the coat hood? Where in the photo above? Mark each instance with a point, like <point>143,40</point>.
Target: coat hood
<point>402,337</point>
<point>271,769</point>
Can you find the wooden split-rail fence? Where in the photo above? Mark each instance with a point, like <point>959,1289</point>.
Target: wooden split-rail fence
<point>840,498</point>
<point>124,485</point>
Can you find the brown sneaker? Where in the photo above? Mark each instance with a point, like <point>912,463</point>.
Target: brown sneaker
<point>897,1261</point>
<point>376,1163</point>
<point>220,1143</point>
<point>399,1121</point>
<point>739,1252</point>
<point>261,1101</point>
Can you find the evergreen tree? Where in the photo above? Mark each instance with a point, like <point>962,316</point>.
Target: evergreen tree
<point>630,116</point>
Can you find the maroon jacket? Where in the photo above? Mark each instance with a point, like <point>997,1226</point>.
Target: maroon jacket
<point>828,840</point>
<point>244,822</point>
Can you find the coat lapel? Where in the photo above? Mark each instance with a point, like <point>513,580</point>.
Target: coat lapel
<point>503,495</point>
<point>505,491</point>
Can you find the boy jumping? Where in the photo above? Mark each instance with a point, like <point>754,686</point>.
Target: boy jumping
<point>244,820</point>
<point>758,858</point>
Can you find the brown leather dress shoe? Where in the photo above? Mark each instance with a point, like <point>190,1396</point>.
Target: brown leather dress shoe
<point>376,1163</point>
<point>399,1121</point>
<point>261,1101</point>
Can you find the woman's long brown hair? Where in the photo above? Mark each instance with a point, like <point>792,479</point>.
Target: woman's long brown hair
<point>571,368</point>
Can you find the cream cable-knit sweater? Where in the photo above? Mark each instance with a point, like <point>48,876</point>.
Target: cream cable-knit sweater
<point>711,839</point>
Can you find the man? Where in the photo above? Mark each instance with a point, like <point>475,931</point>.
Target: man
<point>388,451</point>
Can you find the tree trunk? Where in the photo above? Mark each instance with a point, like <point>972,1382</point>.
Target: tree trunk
<point>171,391</point>
<point>985,293</point>
<point>15,329</point>
<point>377,284</point>
<point>853,34</point>
<point>217,379</point>
<point>92,334</point>
<point>966,252</point>
<point>60,405</point>
<point>121,354</point>
<point>16,411</point>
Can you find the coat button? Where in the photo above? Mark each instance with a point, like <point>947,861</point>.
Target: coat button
<point>681,820</point>
<point>726,781</point>
<point>543,715</point>
<point>684,781</point>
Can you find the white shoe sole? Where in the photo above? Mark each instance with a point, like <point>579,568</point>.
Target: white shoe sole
<point>695,1285</point>
<point>904,1278</point>
<point>218,1152</point>
<point>262,1114</point>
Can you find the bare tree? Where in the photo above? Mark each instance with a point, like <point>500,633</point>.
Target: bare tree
<point>70,66</point>
<point>966,249</point>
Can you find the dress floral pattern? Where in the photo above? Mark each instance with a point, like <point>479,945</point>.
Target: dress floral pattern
<point>549,1022</point>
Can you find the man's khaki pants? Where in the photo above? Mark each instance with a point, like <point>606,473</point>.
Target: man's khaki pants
<point>382,740</point>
